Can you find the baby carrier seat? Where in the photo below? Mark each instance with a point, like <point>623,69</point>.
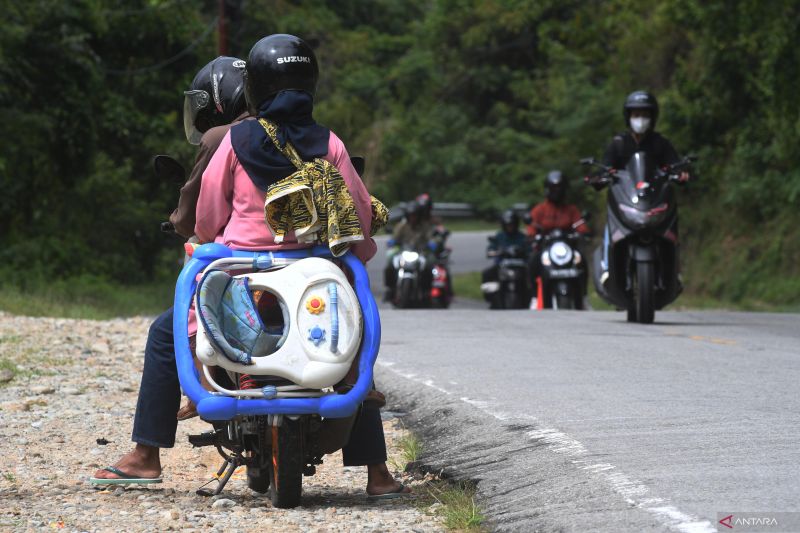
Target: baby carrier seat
<point>321,329</point>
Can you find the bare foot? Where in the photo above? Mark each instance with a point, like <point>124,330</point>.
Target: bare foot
<point>381,481</point>
<point>143,461</point>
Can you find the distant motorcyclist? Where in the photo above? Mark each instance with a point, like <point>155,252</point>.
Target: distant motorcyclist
<point>554,213</point>
<point>509,236</point>
<point>415,231</point>
<point>641,114</point>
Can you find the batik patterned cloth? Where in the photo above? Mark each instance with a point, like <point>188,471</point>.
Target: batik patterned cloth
<point>315,203</point>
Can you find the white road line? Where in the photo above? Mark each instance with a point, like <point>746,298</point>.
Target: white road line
<point>634,492</point>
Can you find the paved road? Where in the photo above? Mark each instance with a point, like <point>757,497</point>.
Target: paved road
<point>582,422</point>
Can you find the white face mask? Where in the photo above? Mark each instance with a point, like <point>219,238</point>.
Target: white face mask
<point>640,124</point>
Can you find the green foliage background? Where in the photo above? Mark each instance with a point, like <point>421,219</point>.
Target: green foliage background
<point>471,100</point>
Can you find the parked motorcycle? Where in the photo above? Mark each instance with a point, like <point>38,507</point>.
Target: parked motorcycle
<point>636,267</point>
<point>562,268</point>
<point>512,289</point>
<point>273,408</point>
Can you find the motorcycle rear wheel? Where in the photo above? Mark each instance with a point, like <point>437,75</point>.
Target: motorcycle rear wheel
<point>286,466</point>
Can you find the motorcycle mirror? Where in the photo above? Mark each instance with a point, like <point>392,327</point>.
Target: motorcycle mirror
<point>358,163</point>
<point>167,168</point>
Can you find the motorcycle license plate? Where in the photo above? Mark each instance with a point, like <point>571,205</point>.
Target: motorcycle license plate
<point>564,273</point>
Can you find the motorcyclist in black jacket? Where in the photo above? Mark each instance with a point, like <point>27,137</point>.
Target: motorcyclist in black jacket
<point>641,114</point>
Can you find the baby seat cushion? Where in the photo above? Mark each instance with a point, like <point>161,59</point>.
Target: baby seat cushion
<point>231,319</point>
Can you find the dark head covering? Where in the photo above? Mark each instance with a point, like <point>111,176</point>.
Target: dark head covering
<point>291,111</point>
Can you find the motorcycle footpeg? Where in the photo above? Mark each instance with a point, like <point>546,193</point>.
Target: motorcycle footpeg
<point>209,438</point>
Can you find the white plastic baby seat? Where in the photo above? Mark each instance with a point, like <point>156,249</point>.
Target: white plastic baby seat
<point>324,326</point>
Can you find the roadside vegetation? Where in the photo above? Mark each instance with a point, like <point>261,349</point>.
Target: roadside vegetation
<point>86,297</point>
<point>453,501</point>
<point>470,101</point>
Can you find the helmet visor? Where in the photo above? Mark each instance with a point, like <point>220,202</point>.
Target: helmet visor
<point>193,103</point>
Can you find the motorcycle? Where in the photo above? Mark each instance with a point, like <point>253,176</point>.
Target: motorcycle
<point>423,276</point>
<point>512,288</point>
<point>273,407</point>
<point>562,269</point>
<point>636,268</point>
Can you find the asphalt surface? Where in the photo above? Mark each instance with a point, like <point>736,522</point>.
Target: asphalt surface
<point>579,421</point>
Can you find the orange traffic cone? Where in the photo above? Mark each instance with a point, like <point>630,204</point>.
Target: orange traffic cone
<point>539,296</point>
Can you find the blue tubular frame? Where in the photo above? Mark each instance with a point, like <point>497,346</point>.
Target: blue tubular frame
<point>217,407</point>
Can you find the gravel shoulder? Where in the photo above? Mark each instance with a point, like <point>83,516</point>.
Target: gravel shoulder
<point>76,381</point>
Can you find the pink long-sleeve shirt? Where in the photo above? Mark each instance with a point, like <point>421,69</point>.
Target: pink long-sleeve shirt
<point>230,208</point>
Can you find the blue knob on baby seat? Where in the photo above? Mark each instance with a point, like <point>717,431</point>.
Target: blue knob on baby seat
<point>316,335</point>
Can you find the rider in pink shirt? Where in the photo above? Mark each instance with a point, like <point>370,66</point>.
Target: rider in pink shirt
<point>230,209</point>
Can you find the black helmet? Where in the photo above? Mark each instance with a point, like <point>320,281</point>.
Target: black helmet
<point>640,100</point>
<point>555,186</point>
<point>279,62</point>
<point>509,218</point>
<point>215,98</point>
<point>425,204</point>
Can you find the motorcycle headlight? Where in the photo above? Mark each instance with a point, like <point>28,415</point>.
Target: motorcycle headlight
<point>407,256</point>
<point>560,253</point>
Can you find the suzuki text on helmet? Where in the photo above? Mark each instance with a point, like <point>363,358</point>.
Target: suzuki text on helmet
<point>216,97</point>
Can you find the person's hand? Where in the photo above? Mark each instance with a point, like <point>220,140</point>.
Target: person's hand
<point>683,177</point>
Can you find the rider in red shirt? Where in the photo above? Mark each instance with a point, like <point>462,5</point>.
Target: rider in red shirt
<point>553,213</point>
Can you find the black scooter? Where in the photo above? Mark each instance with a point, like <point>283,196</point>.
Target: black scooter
<point>636,266</point>
<point>512,289</point>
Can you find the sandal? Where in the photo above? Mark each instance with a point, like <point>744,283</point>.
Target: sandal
<point>374,398</point>
<point>123,479</point>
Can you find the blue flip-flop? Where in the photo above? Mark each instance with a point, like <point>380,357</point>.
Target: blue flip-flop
<point>123,479</point>
<point>397,493</point>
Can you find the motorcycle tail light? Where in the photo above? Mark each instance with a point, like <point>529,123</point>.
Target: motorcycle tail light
<point>436,292</point>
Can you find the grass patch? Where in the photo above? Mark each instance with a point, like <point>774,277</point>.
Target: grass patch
<point>468,285</point>
<point>10,477</point>
<point>456,505</point>
<point>86,297</point>
<point>410,449</point>
<point>454,502</point>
